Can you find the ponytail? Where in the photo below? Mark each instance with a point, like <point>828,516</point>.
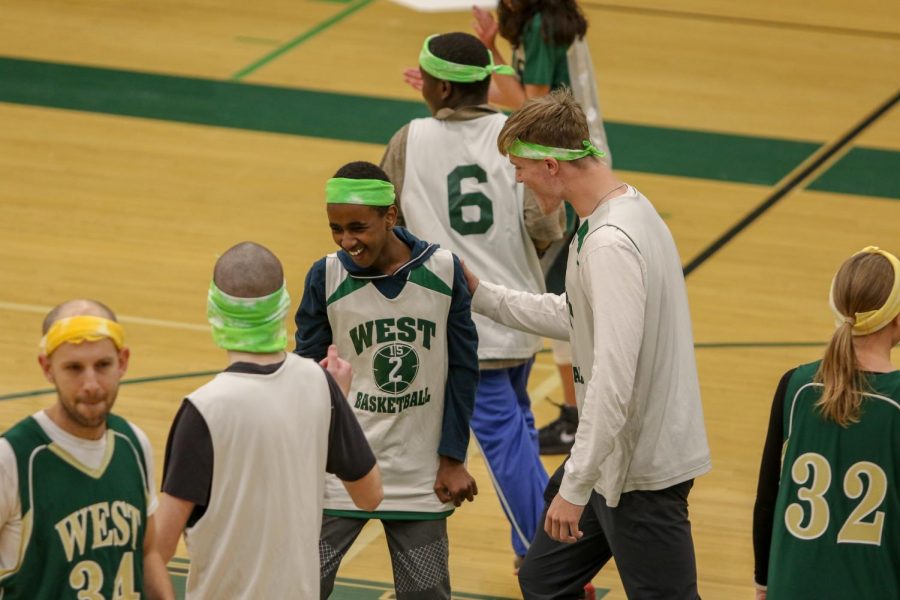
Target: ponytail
<point>843,383</point>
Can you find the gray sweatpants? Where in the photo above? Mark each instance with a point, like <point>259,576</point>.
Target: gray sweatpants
<point>648,532</point>
<point>419,550</point>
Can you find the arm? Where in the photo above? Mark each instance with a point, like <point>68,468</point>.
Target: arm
<point>10,507</point>
<point>350,457</point>
<point>767,485</point>
<point>171,519</point>
<point>611,275</point>
<point>313,329</point>
<point>157,583</point>
<point>366,492</point>
<point>187,478</point>
<point>540,314</point>
<point>453,483</point>
<point>394,163</point>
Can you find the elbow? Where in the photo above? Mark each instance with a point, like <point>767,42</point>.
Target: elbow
<point>371,501</point>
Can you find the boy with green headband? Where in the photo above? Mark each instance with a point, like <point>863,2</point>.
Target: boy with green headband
<point>78,503</point>
<point>248,452</point>
<point>641,439</point>
<point>455,189</point>
<point>398,309</point>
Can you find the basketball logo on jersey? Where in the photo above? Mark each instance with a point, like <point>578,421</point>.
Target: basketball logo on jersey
<point>395,367</point>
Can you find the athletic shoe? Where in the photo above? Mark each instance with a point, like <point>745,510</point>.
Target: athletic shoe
<point>558,437</point>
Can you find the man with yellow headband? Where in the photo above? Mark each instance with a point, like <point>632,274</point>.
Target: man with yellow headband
<point>465,198</point>
<point>641,440</point>
<point>398,309</point>
<point>825,522</point>
<point>248,452</point>
<point>77,498</point>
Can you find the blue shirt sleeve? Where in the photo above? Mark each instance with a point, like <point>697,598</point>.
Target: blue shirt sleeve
<point>462,375</point>
<point>313,329</point>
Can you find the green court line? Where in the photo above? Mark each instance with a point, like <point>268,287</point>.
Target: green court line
<point>294,111</point>
<point>865,171</point>
<point>310,33</point>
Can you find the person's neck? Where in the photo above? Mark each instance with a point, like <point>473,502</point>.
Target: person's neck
<point>269,358</point>
<point>395,254</point>
<point>591,186</point>
<point>873,352</point>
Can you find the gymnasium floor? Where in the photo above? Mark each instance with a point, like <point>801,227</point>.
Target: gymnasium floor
<point>140,140</point>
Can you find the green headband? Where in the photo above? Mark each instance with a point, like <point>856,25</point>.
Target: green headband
<point>450,71</point>
<point>538,152</point>
<point>248,324</point>
<point>370,192</point>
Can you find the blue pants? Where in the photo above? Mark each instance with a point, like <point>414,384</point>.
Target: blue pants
<point>504,428</point>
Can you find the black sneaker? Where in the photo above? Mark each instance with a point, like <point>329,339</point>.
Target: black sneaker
<point>558,437</point>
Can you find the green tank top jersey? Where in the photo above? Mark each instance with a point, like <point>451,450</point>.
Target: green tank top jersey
<point>836,532</point>
<point>82,529</point>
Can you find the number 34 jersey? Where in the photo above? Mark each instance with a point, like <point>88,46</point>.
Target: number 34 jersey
<point>460,192</point>
<point>836,532</point>
<point>398,350</point>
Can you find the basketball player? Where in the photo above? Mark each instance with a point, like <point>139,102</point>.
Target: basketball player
<point>398,309</point>
<point>825,524</point>
<point>455,189</point>
<point>641,439</point>
<point>247,454</point>
<point>77,498</point>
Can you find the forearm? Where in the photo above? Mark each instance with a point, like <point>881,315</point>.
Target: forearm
<point>157,583</point>
<point>540,314</point>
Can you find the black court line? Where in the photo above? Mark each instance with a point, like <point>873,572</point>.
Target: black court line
<point>791,183</point>
<point>734,20</point>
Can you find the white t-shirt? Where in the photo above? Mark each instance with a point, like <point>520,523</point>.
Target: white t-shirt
<point>89,452</point>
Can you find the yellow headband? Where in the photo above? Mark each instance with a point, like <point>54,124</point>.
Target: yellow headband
<point>871,321</point>
<point>79,329</point>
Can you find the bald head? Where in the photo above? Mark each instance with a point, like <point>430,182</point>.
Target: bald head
<point>81,307</point>
<point>248,270</point>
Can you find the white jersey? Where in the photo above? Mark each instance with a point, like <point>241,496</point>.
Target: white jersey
<point>398,350</point>
<point>636,383</point>
<point>259,536</point>
<point>465,198</point>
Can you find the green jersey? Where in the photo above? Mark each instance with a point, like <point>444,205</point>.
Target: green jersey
<point>837,516</point>
<point>82,529</point>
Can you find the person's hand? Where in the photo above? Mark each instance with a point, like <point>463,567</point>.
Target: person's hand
<point>453,482</point>
<point>339,369</point>
<point>562,520</point>
<point>471,280</point>
<point>485,26</point>
<point>413,77</point>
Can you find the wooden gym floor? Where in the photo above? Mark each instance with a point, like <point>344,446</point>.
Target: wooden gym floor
<point>140,140</point>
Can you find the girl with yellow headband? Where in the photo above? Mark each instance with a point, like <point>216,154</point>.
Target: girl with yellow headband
<point>827,514</point>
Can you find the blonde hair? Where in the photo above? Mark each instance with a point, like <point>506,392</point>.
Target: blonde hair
<point>554,120</point>
<point>863,283</point>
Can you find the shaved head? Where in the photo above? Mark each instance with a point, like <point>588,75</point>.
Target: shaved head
<point>77,307</point>
<point>248,270</point>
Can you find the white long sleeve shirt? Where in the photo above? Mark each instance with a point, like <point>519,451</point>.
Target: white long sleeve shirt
<point>626,315</point>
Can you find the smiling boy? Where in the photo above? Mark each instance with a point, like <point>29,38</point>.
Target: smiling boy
<point>399,311</point>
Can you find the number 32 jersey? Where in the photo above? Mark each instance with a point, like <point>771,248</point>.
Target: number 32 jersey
<point>836,532</point>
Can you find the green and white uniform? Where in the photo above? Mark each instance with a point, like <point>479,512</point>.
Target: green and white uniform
<point>399,360</point>
<point>836,531</point>
<point>82,529</point>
